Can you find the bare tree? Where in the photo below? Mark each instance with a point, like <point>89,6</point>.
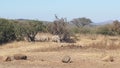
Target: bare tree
<point>59,27</point>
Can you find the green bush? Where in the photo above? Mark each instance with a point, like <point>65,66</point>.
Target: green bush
<point>11,30</point>
<point>105,30</point>
<point>28,28</point>
<point>6,31</point>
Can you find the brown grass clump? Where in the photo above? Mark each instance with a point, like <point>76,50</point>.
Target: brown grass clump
<point>105,44</point>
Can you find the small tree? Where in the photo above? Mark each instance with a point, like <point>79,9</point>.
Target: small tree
<point>28,28</point>
<point>60,27</point>
<point>115,27</point>
<point>32,28</point>
<point>81,22</point>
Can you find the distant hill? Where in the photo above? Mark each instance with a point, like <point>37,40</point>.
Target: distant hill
<point>103,23</point>
<point>92,24</point>
<point>31,19</point>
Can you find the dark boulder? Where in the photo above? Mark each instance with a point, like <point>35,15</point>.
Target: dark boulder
<point>20,57</point>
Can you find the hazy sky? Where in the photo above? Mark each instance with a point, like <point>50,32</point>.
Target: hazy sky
<point>97,10</point>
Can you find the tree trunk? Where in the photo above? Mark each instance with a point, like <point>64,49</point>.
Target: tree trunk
<point>31,37</point>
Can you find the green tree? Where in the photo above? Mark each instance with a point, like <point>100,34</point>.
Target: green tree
<point>19,30</point>
<point>29,29</point>
<point>81,22</point>
<point>6,31</point>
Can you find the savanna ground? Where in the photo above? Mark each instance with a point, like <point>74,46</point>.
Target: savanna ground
<point>87,52</point>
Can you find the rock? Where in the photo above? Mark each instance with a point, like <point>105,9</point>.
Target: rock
<point>55,38</point>
<point>108,59</point>
<point>8,58</point>
<point>20,57</point>
<point>66,59</point>
<point>42,38</point>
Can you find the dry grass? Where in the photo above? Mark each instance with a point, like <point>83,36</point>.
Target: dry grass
<point>105,45</point>
<point>99,41</point>
<point>87,41</point>
<point>86,52</point>
<point>104,42</point>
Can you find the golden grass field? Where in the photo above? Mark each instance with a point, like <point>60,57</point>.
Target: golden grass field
<point>87,52</point>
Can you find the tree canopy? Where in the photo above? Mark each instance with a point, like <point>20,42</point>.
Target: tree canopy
<point>81,21</point>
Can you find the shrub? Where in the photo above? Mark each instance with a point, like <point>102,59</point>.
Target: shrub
<point>110,29</point>
<point>6,31</point>
<point>104,30</point>
<point>28,28</point>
